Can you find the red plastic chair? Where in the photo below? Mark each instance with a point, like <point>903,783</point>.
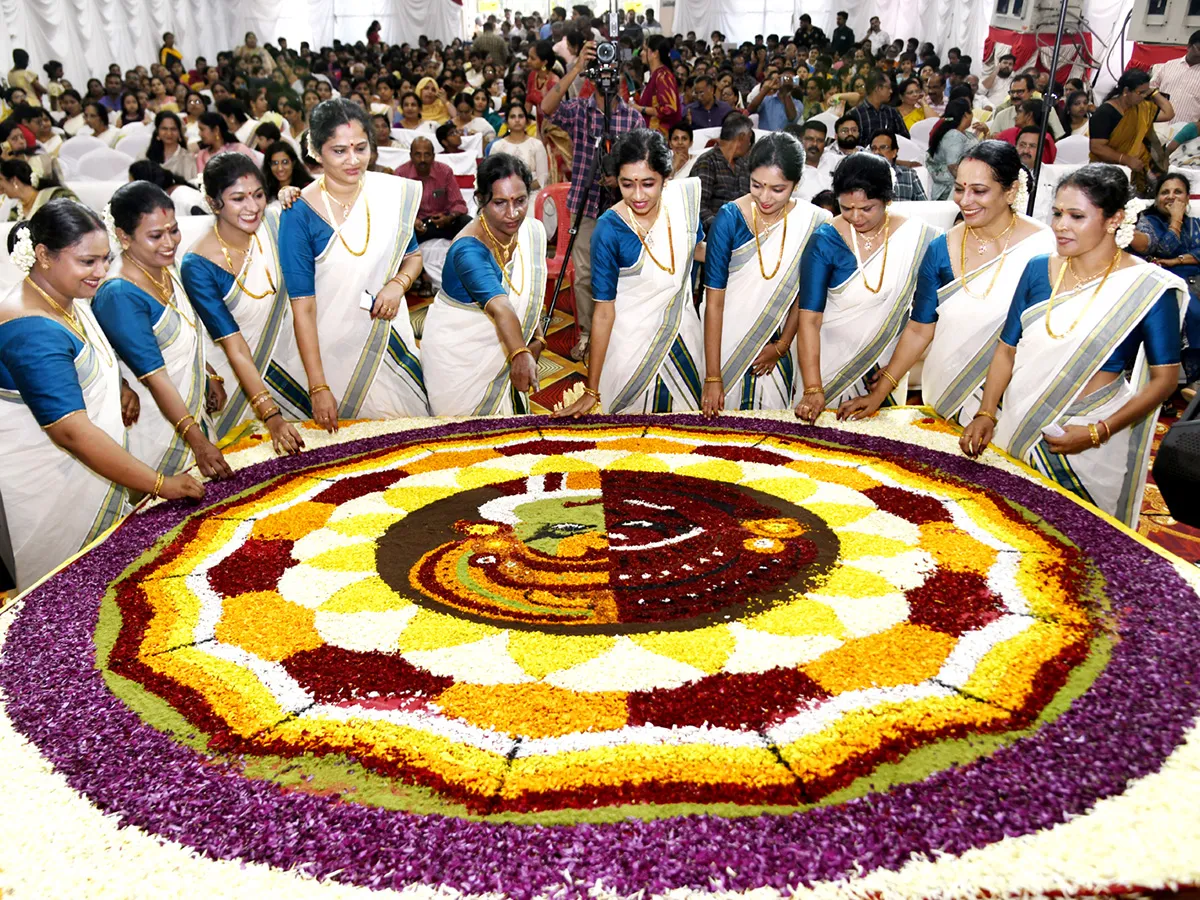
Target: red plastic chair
<point>558,193</point>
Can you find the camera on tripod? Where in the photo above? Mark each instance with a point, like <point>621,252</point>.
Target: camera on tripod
<point>605,69</point>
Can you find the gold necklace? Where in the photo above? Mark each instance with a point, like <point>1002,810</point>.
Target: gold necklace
<point>645,246</point>
<point>758,247</point>
<point>69,318</point>
<point>989,242</point>
<point>1112,263</point>
<point>225,248</point>
<point>962,259</point>
<point>869,239</point>
<point>505,252</point>
<point>858,259</point>
<point>346,207</point>
<point>165,288</point>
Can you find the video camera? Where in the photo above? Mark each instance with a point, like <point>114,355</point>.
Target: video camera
<point>605,69</point>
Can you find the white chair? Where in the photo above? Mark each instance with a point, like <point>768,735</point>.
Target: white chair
<point>1048,180</point>
<point>920,132</point>
<point>828,118</point>
<point>80,145</point>
<point>393,156</point>
<point>925,178</point>
<point>754,119</point>
<point>104,164</point>
<point>701,137</point>
<point>433,258</point>
<point>938,213</point>
<point>191,229</point>
<point>95,194</point>
<point>134,145</point>
<point>1073,150</point>
<point>910,151</point>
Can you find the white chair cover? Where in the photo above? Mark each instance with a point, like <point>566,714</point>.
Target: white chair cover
<point>95,194</point>
<point>920,132</point>
<point>937,213</point>
<point>433,257</point>
<point>103,164</point>
<point>80,145</point>
<point>1073,150</point>
<point>135,144</point>
<point>910,150</point>
<point>826,117</point>
<point>1048,181</point>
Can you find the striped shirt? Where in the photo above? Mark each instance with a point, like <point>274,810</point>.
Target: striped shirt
<point>1181,83</point>
<point>584,122</point>
<point>871,121</point>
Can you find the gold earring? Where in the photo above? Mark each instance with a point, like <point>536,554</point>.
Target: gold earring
<point>45,267</point>
<point>1112,229</point>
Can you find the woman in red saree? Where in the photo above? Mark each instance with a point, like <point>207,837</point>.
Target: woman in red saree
<point>541,80</point>
<point>660,102</point>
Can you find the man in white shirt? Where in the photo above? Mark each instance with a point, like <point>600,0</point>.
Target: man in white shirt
<point>996,81</point>
<point>1179,79</point>
<point>878,38</point>
<point>846,144</point>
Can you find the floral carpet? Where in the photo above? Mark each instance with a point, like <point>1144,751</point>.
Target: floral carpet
<point>656,656</point>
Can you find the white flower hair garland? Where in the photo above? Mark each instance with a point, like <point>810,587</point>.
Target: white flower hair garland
<point>34,180</point>
<point>1128,226</point>
<point>1021,201</point>
<point>110,225</point>
<point>23,256</point>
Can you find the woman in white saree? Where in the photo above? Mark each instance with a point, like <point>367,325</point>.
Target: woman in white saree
<point>1089,352</point>
<point>964,288</point>
<point>647,346</point>
<point>858,275</point>
<point>349,254</point>
<point>64,470</point>
<point>151,323</point>
<point>752,274</point>
<point>233,278</point>
<point>482,336</point>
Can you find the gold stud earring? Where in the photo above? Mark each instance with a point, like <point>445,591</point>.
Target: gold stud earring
<point>1112,229</point>
<point>45,267</point>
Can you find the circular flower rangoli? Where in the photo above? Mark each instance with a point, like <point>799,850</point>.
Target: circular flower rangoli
<point>518,624</point>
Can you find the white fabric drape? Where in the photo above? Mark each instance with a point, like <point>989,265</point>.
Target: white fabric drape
<point>87,35</point>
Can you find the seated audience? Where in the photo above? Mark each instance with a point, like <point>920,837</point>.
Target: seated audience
<point>443,212</point>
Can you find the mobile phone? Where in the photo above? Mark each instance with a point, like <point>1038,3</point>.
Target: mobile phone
<point>1054,430</point>
<point>366,301</point>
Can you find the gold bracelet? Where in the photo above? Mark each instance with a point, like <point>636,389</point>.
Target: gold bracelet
<point>595,406</point>
<point>1095,433</point>
<point>714,379</point>
<point>259,396</point>
<point>1107,432</point>
<point>518,352</point>
<point>596,394</point>
<point>158,483</point>
<point>213,376</point>
<point>890,377</point>
<point>191,425</point>
<point>266,414</point>
<point>396,278</point>
<point>181,421</point>
<point>984,412</point>
<point>778,352</point>
<point>317,388</point>
<point>813,390</point>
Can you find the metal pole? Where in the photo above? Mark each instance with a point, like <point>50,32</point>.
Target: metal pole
<point>1048,102</point>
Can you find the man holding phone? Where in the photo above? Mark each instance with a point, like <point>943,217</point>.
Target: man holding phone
<point>774,103</point>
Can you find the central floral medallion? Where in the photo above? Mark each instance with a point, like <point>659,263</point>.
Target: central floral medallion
<point>606,552</point>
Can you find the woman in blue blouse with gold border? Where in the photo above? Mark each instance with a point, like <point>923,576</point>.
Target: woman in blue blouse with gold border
<point>62,417</point>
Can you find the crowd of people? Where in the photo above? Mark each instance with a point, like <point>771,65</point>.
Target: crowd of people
<point>766,271</point>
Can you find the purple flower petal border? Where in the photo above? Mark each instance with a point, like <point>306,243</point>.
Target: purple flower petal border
<point>1122,729</point>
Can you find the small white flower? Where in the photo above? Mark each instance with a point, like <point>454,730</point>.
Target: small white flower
<point>22,254</point>
<point>110,225</point>
<point>34,180</point>
<point>1133,209</point>
<point>1021,201</point>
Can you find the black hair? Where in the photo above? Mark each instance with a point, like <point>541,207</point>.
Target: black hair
<point>876,79</point>
<point>644,145</point>
<point>681,126</point>
<point>817,125</point>
<point>1130,80</point>
<point>217,121</point>
<point>1029,80</point>
<point>148,170</point>
<point>223,170</point>
<point>20,170</point>
<point>864,172</point>
<point>1034,109</point>
<point>662,45</point>
<point>269,130</point>
<point>782,151</point>
<point>1001,158</point>
<point>136,199</point>
<point>1071,98</point>
<point>443,131</point>
<point>1173,176</point>
<point>735,124</point>
<point>70,92</point>
<point>300,173</point>
<point>545,52</point>
<point>1028,129</point>
<point>890,135</point>
<point>60,224</point>
<point>50,66</point>
<point>514,104</point>
<point>329,115</point>
<point>20,58</point>
<point>235,108</point>
<point>155,151</point>
<point>191,94</point>
<point>1106,186</point>
<point>463,97</point>
<point>496,167</point>
<point>956,111</point>
<point>139,116</point>
<point>842,120</point>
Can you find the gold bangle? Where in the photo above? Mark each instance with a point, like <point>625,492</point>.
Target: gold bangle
<point>181,421</point>
<point>317,388</point>
<point>890,377</point>
<point>1107,432</point>
<point>191,425</point>
<point>595,406</point>
<point>779,353</point>
<point>158,483</point>
<point>591,393</point>
<point>266,414</point>
<point>714,379</point>
<point>813,390</point>
<point>1095,433</point>
<point>984,412</point>
<point>518,352</point>
<point>213,376</point>
<point>259,396</point>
